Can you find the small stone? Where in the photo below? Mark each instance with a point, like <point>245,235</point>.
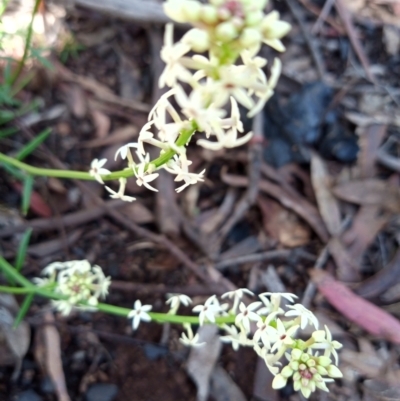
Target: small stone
<point>102,392</point>
<point>28,395</point>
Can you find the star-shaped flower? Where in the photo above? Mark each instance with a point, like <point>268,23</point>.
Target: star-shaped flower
<point>97,170</point>
<point>139,313</point>
<point>121,192</point>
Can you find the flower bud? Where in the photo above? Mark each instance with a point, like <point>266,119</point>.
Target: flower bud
<point>209,14</point>
<point>226,31</point>
<point>224,13</point>
<point>287,371</point>
<point>192,10</point>
<point>319,335</point>
<point>296,354</point>
<point>254,18</point>
<point>273,28</point>
<point>197,39</point>
<point>174,10</point>
<point>250,37</point>
<point>333,371</point>
<point>324,361</point>
<point>217,3</point>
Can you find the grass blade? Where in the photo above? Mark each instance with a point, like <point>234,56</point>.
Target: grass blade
<point>23,310</point>
<point>26,194</point>
<point>23,246</point>
<point>33,144</point>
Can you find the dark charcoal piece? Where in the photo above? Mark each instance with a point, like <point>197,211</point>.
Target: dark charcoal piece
<point>291,129</point>
<point>102,392</point>
<point>339,144</point>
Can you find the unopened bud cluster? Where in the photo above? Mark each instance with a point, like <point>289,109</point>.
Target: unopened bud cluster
<point>231,33</point>
<point>80,284</point>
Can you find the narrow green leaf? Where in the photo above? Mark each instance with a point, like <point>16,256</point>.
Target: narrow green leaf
<point>13,171</point>
<point>4,133</point>
<point>26,194</point>
<point>23,246</point>
<point>23,310</point>
<point>33,144</point>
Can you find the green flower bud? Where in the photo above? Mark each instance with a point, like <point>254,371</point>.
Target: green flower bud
<point>216,3</point>
<point>254,18</point>
<point>250,37</point>
<point>192,10</point>
<point>305,357</point>
<point>197,39</point>
<point>321,370</point>
<point>296,354</point>
<point>319,335</point>
<point>324,361</point>
<point>287,371</point>
<point>226,31</point>
<point>333,371</point>
<point>279,382</point>
<point>209,14</point>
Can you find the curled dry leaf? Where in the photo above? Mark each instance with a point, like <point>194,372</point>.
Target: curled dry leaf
<point>361,312</point>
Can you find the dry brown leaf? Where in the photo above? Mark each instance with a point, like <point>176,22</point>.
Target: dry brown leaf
<point>53,361</point>
<point>138,213</point>
<point>202,360</point>
<point>119,135</point>
<point>76,100</point>
<point>327,204</point>
<point>102,123</point>
<point>282,224</point>
<point>14,343</point>
<point>370,192</point>
<point>289,199</point>
<point>379,390</point>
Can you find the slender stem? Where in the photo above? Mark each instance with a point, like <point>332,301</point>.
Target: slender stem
<point>21,62</point>
<point>183,139</point>
<point>30,288</point>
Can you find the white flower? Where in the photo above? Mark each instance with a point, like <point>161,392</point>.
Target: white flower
<point>304,315</point>
<point>190,340</point>
<point>121,192</point>
<point>265,333</point>
<point>189,178</point>
<point>273,30</point>
<point>139,313</point>
<point>174,300</point>
<point>236,295</point>
<point>143,178</point>
<point>227,140</point>
<point>172,54</point>
<point>284,337</point>
<point>197,107</point>
<point>273,305</point>
<point>247,314</point>
<point>254,65</point>
<point>209,310</point>
<point>329,345</point>
<point>235,337</point>
<point>124,150</point>
<point>97,170</point>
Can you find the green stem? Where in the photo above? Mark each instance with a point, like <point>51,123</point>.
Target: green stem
<point>30,288</point>
<point>21,62</point>
<point>183,139</point>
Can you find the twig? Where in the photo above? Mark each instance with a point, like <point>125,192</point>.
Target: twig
<point>346,18</point>
<point>326,9</point>
<point>268,255</point>
<point>68,220</point>
<point>315,54</point>
<point>250,196</point>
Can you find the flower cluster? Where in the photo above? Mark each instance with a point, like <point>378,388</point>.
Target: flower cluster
<point>271,329</point>
<point>230,33</point>
<point>77,282</point>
